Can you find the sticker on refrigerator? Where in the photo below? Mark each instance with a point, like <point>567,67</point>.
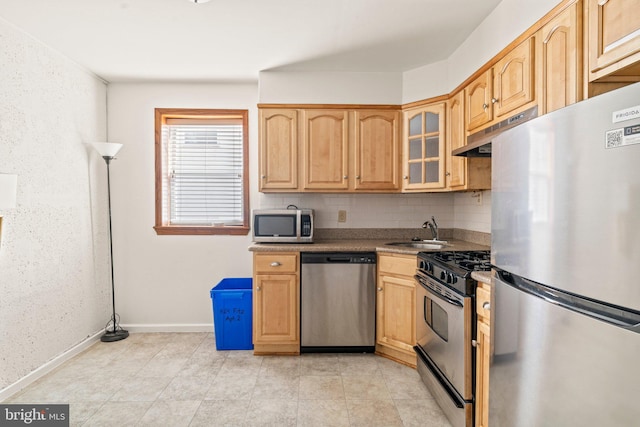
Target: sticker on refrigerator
<point>620,137</point>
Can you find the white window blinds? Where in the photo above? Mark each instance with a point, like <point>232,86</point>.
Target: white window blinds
<point>202,171</point>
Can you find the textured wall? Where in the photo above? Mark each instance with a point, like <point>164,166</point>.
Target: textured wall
<point>54,253</point>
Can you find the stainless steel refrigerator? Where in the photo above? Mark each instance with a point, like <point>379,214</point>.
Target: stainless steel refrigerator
<point>566,247</point>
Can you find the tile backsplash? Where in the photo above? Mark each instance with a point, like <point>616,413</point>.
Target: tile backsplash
<point>459,210</point>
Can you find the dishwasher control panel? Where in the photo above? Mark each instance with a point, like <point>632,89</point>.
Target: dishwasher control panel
<point>338,258</point>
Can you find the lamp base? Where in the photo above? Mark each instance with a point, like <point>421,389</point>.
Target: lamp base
<point>111,336</point>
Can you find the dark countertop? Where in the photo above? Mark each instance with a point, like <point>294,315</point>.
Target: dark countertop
<point>362,245</point>
<point>482,276</point>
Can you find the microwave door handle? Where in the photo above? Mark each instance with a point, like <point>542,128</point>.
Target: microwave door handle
<point>438,294</point>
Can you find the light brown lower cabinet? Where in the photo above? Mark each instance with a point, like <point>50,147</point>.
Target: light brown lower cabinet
<point>396,308</point>
<point>276,303</point>
<point>483,353</point>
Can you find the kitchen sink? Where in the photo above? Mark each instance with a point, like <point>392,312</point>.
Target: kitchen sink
<point>424,244</point>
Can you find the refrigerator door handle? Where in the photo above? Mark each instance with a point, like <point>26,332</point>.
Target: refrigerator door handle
<point>609,313</point>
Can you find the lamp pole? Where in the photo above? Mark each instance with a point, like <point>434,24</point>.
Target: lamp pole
<point>108,151</point>
<point>115,334</point>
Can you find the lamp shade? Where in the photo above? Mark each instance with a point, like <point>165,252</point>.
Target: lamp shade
<point>107,149</point>
<point>8,190</point>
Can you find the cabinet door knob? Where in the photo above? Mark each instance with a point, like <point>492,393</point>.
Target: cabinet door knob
<point>257,288</point>
<point>357,176</point>
<point>494,100</point>
<point>485,106</point>
<point>275,264</point>
<point>379,289</point>
<point>475,343</point>
<point>486,305</point>
<point>448,174</point>
<point>345,177</point>
<point>264,176</point>
<point>405,177</point>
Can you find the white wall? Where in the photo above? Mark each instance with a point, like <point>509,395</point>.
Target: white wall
<point>302,87</point>
<point>165,280</point>
<point>507,21</point>
<point>54,265</point>
<point>425,82</point>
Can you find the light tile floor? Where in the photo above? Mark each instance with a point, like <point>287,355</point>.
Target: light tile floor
<point>179,379</point>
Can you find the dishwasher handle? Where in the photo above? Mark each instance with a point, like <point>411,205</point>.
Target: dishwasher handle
<point>338,259</point>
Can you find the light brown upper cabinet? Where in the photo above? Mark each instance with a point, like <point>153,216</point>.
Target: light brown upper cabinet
<point>456,166</point>
<point>502,89</point>
<point>473,173</point>
<point>332,149</point>
<point>278,149</point>
<point>325,142</point>
<point>424,149</point>
<point>478,101</point>
<point>376,150</point>
<point>614,39</point>
<point>559,63</point>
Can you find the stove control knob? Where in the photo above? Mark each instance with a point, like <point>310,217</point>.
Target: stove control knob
<point>450,278</point>
<point>443,275</point>
<point>422,265</point>
<point>454,279</point>
<point>429,267</point>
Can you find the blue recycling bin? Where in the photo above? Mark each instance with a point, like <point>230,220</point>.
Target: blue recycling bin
<point>233,314</point>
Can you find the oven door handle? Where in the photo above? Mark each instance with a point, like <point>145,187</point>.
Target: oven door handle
<point>438,294</point>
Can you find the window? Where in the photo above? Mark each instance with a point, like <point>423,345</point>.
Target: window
<point>201,171</point>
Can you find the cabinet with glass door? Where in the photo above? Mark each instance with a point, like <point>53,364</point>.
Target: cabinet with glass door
<point>424,148</point>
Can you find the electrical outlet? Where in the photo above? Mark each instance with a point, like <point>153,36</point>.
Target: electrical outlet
<point>342,216</point>
<point>478,196</point>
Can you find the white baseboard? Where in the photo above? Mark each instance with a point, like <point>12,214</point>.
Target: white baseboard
<point>181,327</point>
<point>38,373</point>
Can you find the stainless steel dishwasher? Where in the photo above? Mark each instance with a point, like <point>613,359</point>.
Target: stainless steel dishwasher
<point>338,302</point>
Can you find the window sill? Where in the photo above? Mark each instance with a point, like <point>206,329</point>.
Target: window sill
<point>177,230</point>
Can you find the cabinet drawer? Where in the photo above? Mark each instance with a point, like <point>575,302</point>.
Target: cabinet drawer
<point>483,296</point>
<point>276,263</point>
<point>405,266</point>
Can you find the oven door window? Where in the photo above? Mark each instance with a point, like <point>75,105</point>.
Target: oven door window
<point>437,318</point>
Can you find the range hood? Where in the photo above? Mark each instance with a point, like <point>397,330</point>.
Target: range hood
<point>479,143</point>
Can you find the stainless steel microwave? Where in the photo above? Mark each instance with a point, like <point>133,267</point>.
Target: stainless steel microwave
<point>283,225</point>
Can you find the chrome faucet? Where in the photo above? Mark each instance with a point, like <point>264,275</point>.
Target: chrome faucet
<point>433,226</point>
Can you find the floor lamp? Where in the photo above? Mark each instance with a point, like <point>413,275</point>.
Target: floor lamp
<point>108,150</point>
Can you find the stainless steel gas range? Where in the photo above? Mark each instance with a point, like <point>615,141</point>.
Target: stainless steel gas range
<point>446,326</point>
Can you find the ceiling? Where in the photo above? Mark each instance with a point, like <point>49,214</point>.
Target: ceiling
<point>233,40</point>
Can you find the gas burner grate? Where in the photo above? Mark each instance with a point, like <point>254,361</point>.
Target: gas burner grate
<point>467,260</point>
